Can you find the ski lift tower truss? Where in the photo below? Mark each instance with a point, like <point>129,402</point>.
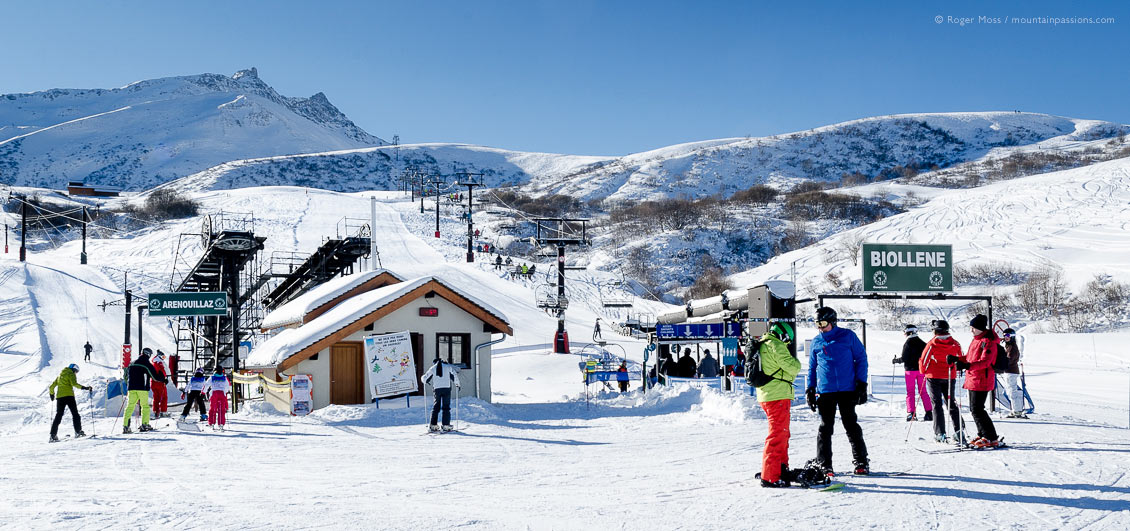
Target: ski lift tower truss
<point>561,233</point>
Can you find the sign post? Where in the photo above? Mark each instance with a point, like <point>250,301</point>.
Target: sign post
<point>188,303</point>
<point>907,268</point>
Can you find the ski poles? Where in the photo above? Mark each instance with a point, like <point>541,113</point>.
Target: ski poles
<point>90,396</point>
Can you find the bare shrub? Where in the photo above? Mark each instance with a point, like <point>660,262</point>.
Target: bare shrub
<point>710,282</point>
<point>1043,294</point>
<point>168,203</point>
<point>991,273</point>
<point>756,194</point>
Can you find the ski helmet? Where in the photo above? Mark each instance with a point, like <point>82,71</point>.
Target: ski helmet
<point>73,367</point>
<point>826,314</point>
<point>1008,333</point>
<point>146,351</point>
<point>910,330</point>
<point>782,331</point>
<point>940,326</point>
<point>199,372</point>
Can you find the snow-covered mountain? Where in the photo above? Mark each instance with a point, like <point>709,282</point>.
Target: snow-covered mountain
<point>150,132</point>
<point>879,147</point>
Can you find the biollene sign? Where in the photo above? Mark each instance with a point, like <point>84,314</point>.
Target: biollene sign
<point>907,267</point>
<point>188,303</point>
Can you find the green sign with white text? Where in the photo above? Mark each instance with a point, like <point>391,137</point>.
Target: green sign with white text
<point>188,303</point>
<point>907,267</point>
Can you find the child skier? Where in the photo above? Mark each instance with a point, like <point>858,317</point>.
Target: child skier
<point>63,393</point>
<point>160,392</point>
<point>195,389</point>
<point>218,388</point>
<point>940,380</point>
<point>776,399</point>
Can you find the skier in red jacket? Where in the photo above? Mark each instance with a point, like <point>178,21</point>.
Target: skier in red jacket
<point>160,393</point>
<point>940,379</point>
<point>980,379</point>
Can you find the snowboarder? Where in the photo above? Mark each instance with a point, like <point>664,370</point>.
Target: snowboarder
<point>837,371</point>
<point>63,393</point>
<point>622,378</point>
<point>708,367</point>
<point>1012,376</point>
<point>442,376</point>
<point>88,350</point>
<point>596,331</point>
<point>911,352</point>
<point>140,373</point>
<point>776,398</point>
<point>940,379</point>
<point>980,379</point>
<point>195,390</point>
<point>160,392</point>
<point>686,368</point>
<point>217,388</point>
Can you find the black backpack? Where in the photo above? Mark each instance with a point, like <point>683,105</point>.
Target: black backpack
<point>753,374</point>
<point>1000,363</point>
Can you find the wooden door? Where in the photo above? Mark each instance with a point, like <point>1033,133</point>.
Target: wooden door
<point>347,381</point>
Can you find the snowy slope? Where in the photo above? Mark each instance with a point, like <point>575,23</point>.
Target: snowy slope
<point>1073,220</point>
<point>150,132</point>
<point>540,457</point>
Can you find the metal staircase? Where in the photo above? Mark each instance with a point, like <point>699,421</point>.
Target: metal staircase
<point>334,257</point>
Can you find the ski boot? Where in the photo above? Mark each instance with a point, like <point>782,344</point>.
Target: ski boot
<point>432,428</point>
<point>145,427</point>
<point>80,433</point>
<point>183,419</point>
<point>862,467</point>
<point>203,417</point>
<point>911,417</point>
<point>447,427</point>
<point>125,429</point>
<point>941,438</point>
<point>928,417</point>
<point>823,468</point>
<point>53,439</point>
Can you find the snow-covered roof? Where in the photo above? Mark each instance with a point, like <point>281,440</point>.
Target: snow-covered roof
<point>295,311</point>
<point>293,340</point>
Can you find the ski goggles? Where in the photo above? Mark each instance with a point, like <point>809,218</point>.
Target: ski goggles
<point>822,324</point>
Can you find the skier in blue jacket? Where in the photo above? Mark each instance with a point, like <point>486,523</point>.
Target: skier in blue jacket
<point>837,372</point>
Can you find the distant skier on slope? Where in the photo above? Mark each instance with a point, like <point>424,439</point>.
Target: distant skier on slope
<point>911,352</point>
<point>160,392</point>
<point>195,389</point>
<point>980,379</point>
<point>940,380</point>
<point>140,373</point>
<point>837,371</point>
<point>218,387</point>
<point>63,393</point>
<point>596,331</point>
<point>776,398</point>
<point>442,376</point>
<point>88,349</point>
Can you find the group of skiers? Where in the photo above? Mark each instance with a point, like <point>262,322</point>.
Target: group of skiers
<point>686,366</point>
<point>837,380</point>
<point>932,368</point>
<point>145,375</point>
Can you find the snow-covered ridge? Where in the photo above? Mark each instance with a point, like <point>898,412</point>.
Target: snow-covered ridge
<point>868,146</point>
<point>162,129</point>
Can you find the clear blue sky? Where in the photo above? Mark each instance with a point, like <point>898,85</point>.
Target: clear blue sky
<point>602,77</point>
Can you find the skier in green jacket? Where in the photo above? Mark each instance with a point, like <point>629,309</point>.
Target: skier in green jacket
<point>63,393</point>
<point>776,398</point>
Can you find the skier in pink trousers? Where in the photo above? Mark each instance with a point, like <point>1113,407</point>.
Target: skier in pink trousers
<point>218,387</point>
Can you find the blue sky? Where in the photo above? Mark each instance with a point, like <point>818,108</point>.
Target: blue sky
<point>593,77</point>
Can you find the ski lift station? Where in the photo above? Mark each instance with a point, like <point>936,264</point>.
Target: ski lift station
<point>324,335</point>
